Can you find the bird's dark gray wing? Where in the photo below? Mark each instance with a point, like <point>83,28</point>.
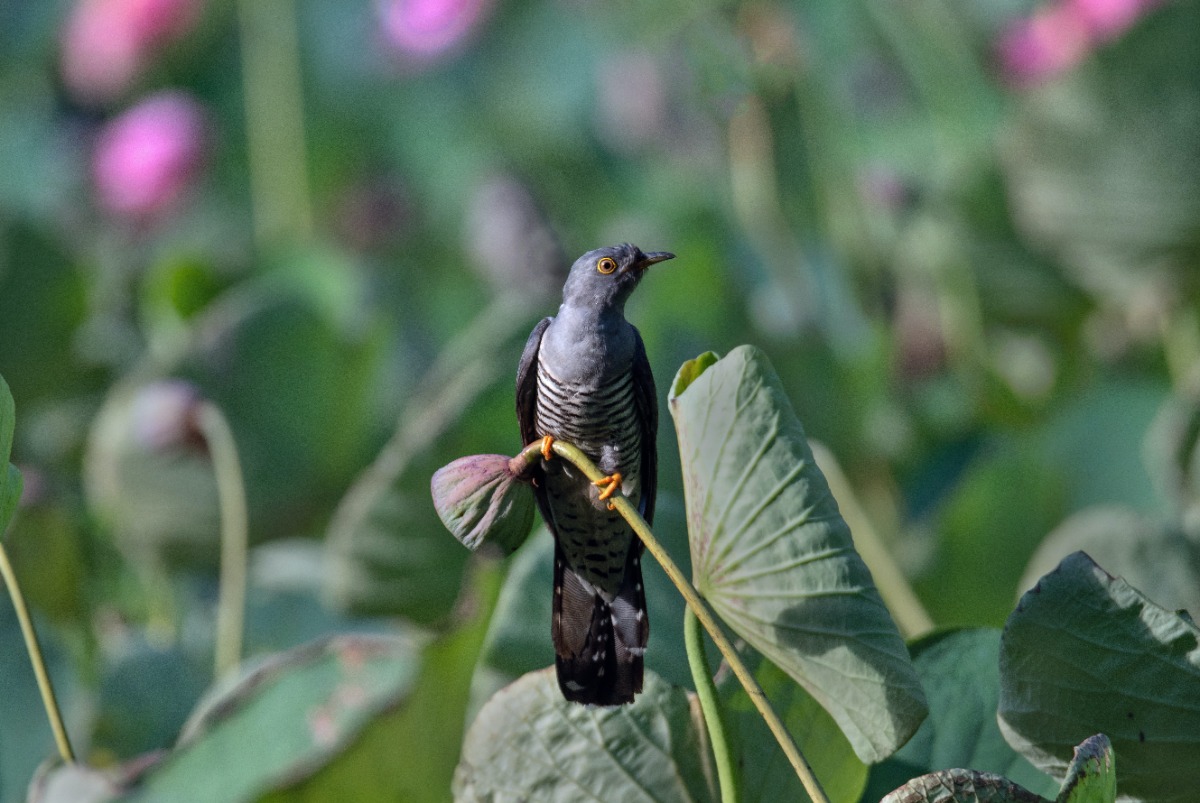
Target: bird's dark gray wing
<point>527,371</point>
<point>527,384</point>
<point>646,399</point>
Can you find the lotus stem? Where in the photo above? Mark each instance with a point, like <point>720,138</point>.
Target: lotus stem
<point>45,686</point>
<point>706,691</point>
<point>231,495</point>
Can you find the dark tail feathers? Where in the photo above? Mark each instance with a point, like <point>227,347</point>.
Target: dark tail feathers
<point>599,644</point>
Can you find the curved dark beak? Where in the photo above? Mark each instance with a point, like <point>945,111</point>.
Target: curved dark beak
<point>652,258</point>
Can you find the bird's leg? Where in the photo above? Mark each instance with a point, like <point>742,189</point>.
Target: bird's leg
<point>610,484</point>
<point>546,443</point>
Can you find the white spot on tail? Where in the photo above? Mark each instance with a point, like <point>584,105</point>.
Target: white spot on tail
<point>636,651</point>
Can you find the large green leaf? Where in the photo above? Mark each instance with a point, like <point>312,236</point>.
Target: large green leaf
<point>960,672</point>
<point>284,721</point>
<point>773,556</point>
<point>1086,653</point>
<point>528,743</point>
<point>410,751</point>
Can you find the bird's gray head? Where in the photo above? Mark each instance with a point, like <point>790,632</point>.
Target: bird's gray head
<point>605,278</point>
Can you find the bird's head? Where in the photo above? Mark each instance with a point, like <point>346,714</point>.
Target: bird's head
<point>605,277</point>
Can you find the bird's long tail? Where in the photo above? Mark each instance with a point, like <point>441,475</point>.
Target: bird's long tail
<point>599,642</point>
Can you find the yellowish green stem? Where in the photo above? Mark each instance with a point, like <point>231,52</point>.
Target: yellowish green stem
<point>696,604</point>
<point>235,537</point>
<point>35,657</point>
<point>274,106</point>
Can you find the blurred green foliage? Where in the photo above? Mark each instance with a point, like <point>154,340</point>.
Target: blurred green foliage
<point>981,295</point>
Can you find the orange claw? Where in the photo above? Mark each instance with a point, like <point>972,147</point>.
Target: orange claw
<point>546,441</point>
<point>609,484</point>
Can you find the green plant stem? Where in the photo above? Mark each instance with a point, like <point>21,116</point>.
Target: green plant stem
<point>274,108</point>
<point>35,657</point>
<point>706,691</point>
<point>692,598</point>
<point>231,494</point>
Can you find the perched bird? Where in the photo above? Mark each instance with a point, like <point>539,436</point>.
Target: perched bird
<point>584,378</point>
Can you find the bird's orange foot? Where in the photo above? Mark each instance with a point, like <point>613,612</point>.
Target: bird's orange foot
<point>610,485</point>
<point>546,442</point>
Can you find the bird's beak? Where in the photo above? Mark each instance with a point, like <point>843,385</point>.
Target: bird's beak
<point>652,258</point>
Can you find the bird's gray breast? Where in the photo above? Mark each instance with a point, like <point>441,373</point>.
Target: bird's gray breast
<point>595,410</point>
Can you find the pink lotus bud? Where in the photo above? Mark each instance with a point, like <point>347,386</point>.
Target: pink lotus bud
<point>107,43</point>
<point>1048,43</point>
<point>482,500</point>
<point>147,157</point>
<point>422,30</point>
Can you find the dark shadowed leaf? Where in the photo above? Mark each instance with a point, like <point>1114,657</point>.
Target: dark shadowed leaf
<point>528,743</point>
<point>961,675</point>
<point>1086,653</point>
<point>773,556</point>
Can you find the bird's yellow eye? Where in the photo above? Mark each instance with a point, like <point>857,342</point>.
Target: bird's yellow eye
<point>606,265</point>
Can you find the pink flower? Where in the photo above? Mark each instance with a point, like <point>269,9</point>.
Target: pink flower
<point>106,44</point>
<point>146,158</point>
<point>1048,43</point>
<point>425,29</point>
<point>1108,19</point>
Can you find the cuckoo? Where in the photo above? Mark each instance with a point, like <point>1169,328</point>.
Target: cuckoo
<point>584,378</point>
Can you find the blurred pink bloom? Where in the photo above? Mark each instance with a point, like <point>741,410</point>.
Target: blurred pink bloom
<point>1060,35</point>
<point>1108,19</point>
<point>107,43</point>
<point>424,29</point>
<point>148,156</point>
<point>1050,42</point>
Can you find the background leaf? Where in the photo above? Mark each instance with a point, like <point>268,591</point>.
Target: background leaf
<point>1087,653</point>
<point>528,742</point>
<point>1159,558</point>
<point>773,556</point>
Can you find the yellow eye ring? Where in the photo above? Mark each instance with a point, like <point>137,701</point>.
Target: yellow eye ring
<point>606,265</point>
